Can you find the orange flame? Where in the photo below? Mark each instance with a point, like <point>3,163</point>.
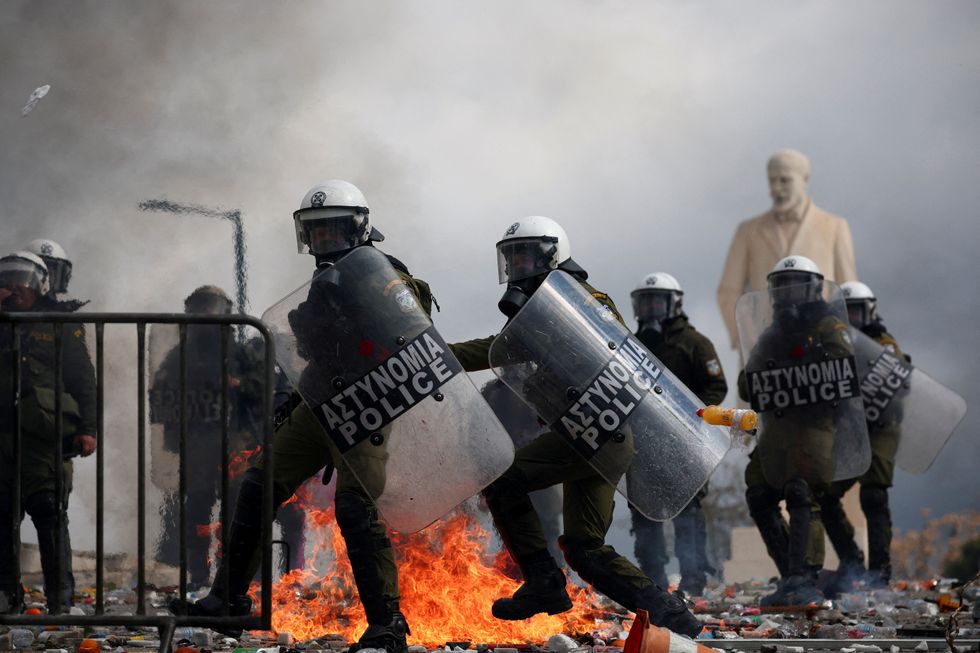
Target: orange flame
<point>448,581</point>
<point>240,462</point>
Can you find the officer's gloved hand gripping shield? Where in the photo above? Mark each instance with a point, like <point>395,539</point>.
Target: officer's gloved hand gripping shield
<point>384,385</point>
<point>802,380</point>
<point>589,379</point>
<point>904,403</point>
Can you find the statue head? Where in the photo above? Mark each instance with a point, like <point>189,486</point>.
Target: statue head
<point>789,174</point>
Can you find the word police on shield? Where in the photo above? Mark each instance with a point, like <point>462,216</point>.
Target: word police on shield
<point>886,379</point>
<point>607,402</point>
<point>401,381</point>
<point>804,384</point>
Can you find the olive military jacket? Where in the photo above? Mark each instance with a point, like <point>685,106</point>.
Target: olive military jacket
<point>690,356</point>
<point>78,400</point>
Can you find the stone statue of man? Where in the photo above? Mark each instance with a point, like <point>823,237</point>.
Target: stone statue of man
<point>793,226</point>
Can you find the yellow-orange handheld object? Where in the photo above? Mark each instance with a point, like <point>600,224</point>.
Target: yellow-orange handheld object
<point>743,419</point>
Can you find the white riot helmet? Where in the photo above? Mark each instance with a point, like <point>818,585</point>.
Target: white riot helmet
<point>56,259</point>
<point>862,305</point>
<point>795,280</point>
<point>531,246</point>
<point>657,297</point>
<point>24,269</point>
<point>333,217</point>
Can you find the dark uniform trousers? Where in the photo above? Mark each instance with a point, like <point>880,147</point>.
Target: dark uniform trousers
<point>691,357</point>
<point>873,495</point>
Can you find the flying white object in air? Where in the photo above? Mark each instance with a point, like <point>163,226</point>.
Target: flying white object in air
<point>36,96</point>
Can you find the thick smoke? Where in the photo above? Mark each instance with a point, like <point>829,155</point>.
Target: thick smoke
<point>644,128</point>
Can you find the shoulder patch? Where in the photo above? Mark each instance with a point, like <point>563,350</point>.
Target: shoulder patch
<point>605,313</point>
<point>406,300</point>
<point>713,367</point>
<point>77,333</point>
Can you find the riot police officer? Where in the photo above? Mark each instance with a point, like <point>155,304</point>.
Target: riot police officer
<point>529,250</point>
<point>862,309</point>
<point>333,220</point>
<point>204,414</point>
<point>59,270</point>
<point>23,281</point>
<point>664,329</point>
<point>795,456</point>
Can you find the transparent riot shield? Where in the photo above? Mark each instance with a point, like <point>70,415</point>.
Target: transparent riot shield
<point>903,403</point>
<point>408,422</point>
<point>801,377</point>
<point>593,382</point>
<point>204,425</point>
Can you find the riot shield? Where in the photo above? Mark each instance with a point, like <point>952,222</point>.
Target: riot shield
<point>593,382</point>
<point>384,385</point>
<point>903,403</point>
<point>801,377</point>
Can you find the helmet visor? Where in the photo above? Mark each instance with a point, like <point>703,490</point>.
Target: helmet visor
<point>59,273</point>
<point>329,230</point>
<point>790,288</point>
<point>522,258</point>
<point>652,305</point>
<point>859,312</point>
<point>20,273</point>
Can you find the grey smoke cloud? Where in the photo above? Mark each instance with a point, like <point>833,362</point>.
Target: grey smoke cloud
<point>643,127</point>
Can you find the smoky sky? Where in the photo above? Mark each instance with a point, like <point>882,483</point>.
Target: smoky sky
<point>642,127</point>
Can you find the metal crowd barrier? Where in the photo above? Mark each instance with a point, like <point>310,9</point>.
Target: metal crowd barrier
<point>165,623</point>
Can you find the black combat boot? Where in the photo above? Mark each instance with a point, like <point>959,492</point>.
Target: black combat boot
<point>390,636</point>
<point>667,611</point>
<point>240,560</point>
<point>543,591</point>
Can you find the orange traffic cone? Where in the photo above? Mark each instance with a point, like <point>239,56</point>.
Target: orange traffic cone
<point>644,637</point>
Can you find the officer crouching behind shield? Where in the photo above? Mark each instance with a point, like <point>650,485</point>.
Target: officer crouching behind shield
<point>665,330</point>
<point>530,250</point>
<point>801,377</point>
<point>331,222</point>
<point>23,284</point>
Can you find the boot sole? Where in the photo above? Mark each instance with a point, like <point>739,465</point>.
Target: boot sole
<point>552,609</point>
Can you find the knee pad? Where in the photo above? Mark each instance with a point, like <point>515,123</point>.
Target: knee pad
<point>797,493</point>
<point>761,499</point>
<point>43,509</point>
<point>354,515</point>
<point>874,499</point>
